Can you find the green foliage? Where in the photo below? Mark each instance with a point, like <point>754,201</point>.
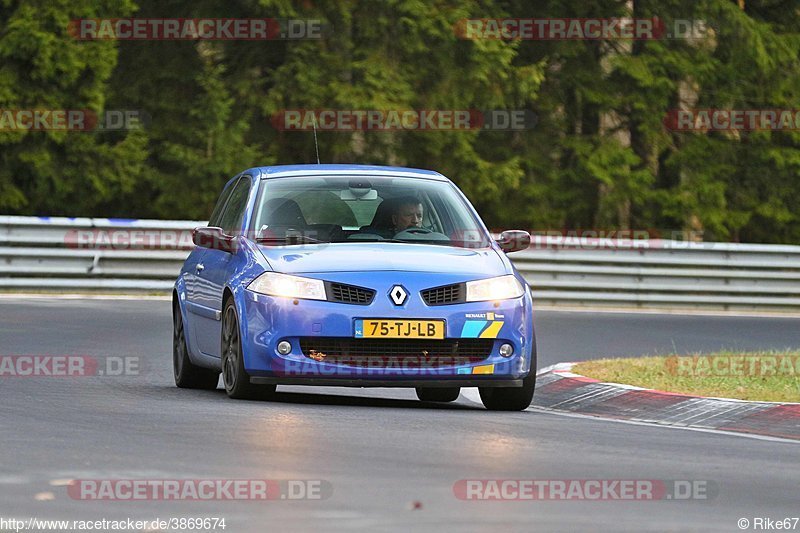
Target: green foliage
<point>599,155</point>
<point>42,67</point>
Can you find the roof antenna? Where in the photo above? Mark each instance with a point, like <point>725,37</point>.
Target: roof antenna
<point>316,146</point>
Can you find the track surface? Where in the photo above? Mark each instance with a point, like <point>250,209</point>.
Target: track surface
<point>380,449</point>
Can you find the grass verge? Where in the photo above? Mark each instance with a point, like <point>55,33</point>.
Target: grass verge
<point>764,376</point>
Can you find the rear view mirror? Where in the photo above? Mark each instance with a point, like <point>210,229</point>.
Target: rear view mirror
<point>514,240</point>
<point>214,238</point>
<point>358,194</point>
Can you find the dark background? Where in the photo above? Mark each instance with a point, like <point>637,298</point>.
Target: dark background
<point>599,155</point>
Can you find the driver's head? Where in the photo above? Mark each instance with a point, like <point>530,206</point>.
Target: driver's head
<point>407,214</point>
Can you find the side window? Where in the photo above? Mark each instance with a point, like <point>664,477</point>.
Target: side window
<point>231,221</point>
<point>216,214</point>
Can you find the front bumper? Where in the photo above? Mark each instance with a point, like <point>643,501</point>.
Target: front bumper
<point>372,382</point>
<point>267,320</point>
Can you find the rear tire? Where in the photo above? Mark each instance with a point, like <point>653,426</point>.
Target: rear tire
<point>234,376</point>
<point>188,375</point>
<point>446,394</point>
<point>509,398</point>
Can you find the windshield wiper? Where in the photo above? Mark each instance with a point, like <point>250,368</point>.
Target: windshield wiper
<point>376,239</point>
<point>289,239</point>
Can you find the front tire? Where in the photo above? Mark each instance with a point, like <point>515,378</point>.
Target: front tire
<point>509,398</point>
<point>188,375</point>
<point>446,394</point>
<point>234,376</point>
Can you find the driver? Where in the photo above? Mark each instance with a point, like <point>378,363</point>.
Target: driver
<point>408,214</point>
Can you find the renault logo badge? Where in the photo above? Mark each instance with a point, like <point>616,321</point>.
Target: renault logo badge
<point>398,295</point>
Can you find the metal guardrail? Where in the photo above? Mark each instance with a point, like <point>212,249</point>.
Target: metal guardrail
<point>115,255</point>
<point>667,274</point>
<point>92,254</point>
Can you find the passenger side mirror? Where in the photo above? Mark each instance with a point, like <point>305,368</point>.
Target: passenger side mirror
<point>214,238</point>
<point>514,240</point>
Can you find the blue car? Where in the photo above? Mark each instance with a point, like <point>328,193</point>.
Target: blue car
<point>357,276</point>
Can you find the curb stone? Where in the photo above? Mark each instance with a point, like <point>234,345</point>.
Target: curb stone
<point>559,389</point>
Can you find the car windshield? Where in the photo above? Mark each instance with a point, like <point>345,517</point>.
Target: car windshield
<point>311,210</point>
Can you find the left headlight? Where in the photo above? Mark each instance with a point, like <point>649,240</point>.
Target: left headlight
<point>500,288</point>
<point>277,284</point>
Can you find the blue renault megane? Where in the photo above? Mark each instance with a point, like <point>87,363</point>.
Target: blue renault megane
<point>359,276</point>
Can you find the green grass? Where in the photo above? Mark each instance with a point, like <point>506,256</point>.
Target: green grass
<point>763,376</point>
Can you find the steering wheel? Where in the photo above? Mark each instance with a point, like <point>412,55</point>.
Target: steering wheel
<point>416,231</point>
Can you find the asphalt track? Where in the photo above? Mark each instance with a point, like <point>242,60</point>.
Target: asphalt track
<point>391,461</point>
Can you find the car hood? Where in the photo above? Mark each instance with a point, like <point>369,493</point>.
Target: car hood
<point>365,257</point>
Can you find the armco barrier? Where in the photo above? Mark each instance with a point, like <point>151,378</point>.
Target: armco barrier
<point>114,255</point>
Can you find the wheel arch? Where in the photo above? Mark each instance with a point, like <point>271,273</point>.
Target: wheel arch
<point>228,294</point>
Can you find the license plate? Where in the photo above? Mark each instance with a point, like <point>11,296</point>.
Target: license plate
<point>400,329</point>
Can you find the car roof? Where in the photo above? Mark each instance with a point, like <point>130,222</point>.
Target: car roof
<point>280,171</point>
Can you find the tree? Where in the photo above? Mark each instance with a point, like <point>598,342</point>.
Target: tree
<point>43,67</point>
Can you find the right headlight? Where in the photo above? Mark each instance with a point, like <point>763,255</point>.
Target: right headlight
<point>277,284</point>
<point>499,288</point>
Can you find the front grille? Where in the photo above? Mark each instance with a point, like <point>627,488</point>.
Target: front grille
<point>448,294</point>
<point>350,294</point>
<point>396,353</point>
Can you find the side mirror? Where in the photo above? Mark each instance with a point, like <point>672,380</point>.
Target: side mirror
<point>214,238</point>
<point>514,240</point>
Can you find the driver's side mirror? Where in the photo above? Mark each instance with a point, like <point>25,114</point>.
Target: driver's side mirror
<point>514,240</point>
<point>214,238</point>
